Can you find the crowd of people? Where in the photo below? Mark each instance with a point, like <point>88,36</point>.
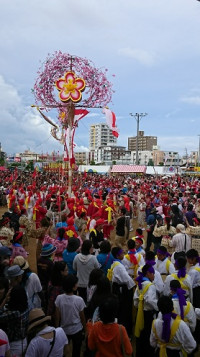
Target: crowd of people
<point>117,266</point>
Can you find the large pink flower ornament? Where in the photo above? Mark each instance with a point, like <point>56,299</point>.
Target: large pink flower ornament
<point>70,87</point>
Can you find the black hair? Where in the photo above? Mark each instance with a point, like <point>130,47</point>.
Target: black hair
<point>69,282</point>
<point>190,207</point>
<point>115,251</point>
<point>86,246</point>
<point>139,231</point>
<point>175,284</point>
<point>83,214</point>
<point>95,275</point>
<point>105,247</point>
<point>131,244</point>
<point>180,262</point>
<point>163,249</point>
<point>108,309</point>
<point>56,276</point>
<point>25,276</point>
<point>165,304</point>
<point>192,253</point>
<point>145,269</point>
<point>61,232</point>
<point>103,286</point>
<point>179,254</point>
<point>150,255</point>
<point>18,299</point>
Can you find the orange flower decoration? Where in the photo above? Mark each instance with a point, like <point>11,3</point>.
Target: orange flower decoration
<point>70,87</point>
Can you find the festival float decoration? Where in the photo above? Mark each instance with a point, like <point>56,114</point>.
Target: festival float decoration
<point>71,85</point>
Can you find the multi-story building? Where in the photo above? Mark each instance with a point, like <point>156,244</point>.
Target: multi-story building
<point>101,135</point>
<point>84,157</point>
<point>143,157</point>
<point>145,143</point>
<point>171,158</point>
<point>158,156</point>
<point>2,154</point>
<point>109,153</point>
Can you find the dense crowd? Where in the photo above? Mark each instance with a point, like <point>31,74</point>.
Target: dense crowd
<point>117,265</point>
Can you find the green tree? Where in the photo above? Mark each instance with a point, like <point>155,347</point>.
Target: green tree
<point>150,163</point>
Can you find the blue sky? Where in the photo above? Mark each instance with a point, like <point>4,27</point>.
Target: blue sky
<point>152,47</point>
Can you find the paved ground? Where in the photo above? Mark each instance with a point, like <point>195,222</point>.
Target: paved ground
<point>32,249</point>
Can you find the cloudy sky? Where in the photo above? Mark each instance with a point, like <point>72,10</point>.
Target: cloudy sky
<point>151,46</point>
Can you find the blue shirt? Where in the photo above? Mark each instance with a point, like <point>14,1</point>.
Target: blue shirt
<point>102,259</point>
<point>68,258</point>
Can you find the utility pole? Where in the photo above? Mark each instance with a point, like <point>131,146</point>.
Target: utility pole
<point>138,117</point>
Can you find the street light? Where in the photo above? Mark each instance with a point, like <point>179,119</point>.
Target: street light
<point>138,117</point>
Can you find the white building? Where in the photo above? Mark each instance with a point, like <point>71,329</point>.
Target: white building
<point>109,153</point>
<point>101,135</point>
<point>143,157</point>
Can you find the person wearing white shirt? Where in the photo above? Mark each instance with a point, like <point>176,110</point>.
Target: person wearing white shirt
<point>181,276</point>
<point>181,242</point>
<point>163,265</point>
<point>169,332</point>
<point>182,307</point>
<point>132,260</point>
<point>194,272</point>
<point>145,300</point>
<point>122,286</point>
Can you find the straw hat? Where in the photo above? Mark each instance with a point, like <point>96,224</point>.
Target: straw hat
<point>19,260</point>
<point>37,317</point>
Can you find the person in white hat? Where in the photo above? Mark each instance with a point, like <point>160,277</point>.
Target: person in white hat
<point>181,242</point>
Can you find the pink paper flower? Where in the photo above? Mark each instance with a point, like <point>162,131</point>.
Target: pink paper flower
<point>70,87</point>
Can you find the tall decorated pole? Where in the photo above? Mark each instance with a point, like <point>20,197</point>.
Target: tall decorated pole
<point>71,84</point>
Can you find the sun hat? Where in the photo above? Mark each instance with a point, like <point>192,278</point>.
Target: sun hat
<point>181,228</point>
<point>5,251</point>
<point>19,260</point>
<point>37,317</point>
<point>47,250</point>
<point>14,271</point>
<point>73,244</point>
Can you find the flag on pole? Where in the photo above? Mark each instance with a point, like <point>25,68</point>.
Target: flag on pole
<point>111,121</point>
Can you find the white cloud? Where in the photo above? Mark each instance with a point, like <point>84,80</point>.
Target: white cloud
<point>93,115</point>
<point>81,149</point>
<point>191,100</point>
<point>21,126</point>
<point>144,57</point>
<point>178,143</point>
